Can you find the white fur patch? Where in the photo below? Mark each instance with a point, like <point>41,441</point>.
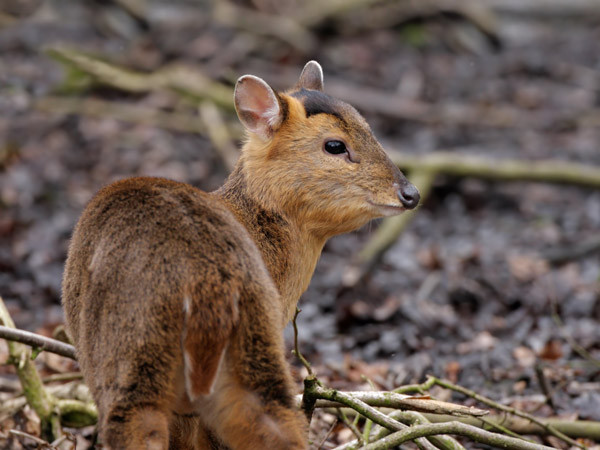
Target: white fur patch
<point>186,305</point>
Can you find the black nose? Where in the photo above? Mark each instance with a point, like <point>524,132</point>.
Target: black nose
<point>409,195</point>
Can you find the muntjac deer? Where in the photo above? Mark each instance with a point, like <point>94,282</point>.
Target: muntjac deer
<point>176,299</point>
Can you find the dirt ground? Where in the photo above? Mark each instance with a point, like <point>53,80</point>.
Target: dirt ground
<point>473,289</point>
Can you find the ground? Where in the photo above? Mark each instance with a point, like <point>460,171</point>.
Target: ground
<point>470,291</point>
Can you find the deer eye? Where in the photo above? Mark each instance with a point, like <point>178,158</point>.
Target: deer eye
<point>335,147</point>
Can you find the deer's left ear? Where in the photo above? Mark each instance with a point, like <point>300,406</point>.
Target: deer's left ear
<point>311,77</point>
<point>257,106</point>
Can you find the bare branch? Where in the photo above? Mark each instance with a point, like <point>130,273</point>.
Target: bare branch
<point>549,428</point>
<point>454,427</point>
<point>38,341</point>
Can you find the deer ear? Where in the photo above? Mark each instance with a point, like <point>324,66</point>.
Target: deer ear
<point>257,106</point>
<point>311,77</point>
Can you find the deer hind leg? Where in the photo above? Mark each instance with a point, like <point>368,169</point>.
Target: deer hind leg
<point>252,404</point>
<point>135,412</point>
<point>143,428</point>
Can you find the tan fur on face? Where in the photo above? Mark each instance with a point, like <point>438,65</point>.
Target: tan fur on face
<point>328,194</point>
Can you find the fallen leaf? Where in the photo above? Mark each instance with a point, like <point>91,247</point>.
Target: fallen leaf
<point>552,350</point>
<point>524,356</point>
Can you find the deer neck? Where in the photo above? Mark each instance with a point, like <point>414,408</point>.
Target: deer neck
<point>289,250</point>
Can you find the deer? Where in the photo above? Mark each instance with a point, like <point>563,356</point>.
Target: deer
<point>176,299</point>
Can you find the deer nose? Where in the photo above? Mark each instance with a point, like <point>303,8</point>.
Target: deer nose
<point>409,195</point>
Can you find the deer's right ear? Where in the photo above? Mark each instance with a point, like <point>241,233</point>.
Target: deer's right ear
<point>257,106</point>
<point>311,77</point>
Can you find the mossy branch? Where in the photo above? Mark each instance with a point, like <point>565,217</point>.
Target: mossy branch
<point>457,428</point>
<point>51,411</point>
<point>186,81</point>
<point>548,427</point>
<point>37,397</point>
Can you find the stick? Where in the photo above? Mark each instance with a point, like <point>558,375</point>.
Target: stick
<point>586,429</point>
<point>551,171</point>
<point>399,401</point>
<point>549,428</point>
<point>409,417</point>
<point>184,80</point>
<point>282,27</point>
<point>126,112</point>
<point>40,342</point>
<point>454,427</point>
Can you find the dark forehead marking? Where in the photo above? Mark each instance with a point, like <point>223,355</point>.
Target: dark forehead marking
<point>316,102</point>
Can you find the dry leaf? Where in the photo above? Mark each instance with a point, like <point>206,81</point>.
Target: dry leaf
<point>524,356</point>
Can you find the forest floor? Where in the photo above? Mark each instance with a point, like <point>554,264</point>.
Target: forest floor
<point>471,291</point>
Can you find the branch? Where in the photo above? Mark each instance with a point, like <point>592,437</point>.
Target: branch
<point>361,407</point>
<point>37,341</point>
<point>409,417</point>
<point>281,26</point>
<point>548,427</point>
<point>586,429</point>
<point>552,171</point>
<point>123,111</point>
<point>313,390</point>
<point>399,401</point>
<point>37,397</point>
<point>184,80</point>
<point>476,434</point>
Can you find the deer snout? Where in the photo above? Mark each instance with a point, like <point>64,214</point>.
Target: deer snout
<point>409,195</point>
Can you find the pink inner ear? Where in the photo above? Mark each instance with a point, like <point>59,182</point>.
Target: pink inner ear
<point>257,105</point>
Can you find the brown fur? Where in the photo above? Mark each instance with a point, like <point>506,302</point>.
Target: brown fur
<point>176,299</point>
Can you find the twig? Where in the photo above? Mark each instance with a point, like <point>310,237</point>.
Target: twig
<point>399,401</point>
<point>296,350</point>
<point>576,250</point>
<point>572,342</point>
<point>454,427</point>
<point>547,8</point>
<point>315,390</point>
<point>312,389</point>
<point>307,403</point>
<point>586,429</point>
<point>40,442</point>
<point>69,376</point>
<point>39,342</point>
<point>409,417</point>
<point>500,427</point>
<point>549,428</point>
<point>346,399</point>
<point>351,425</point>
<point>329,431</point>
<point>544,386</point>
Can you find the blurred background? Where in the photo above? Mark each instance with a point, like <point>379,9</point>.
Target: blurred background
<point>493,283</point>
